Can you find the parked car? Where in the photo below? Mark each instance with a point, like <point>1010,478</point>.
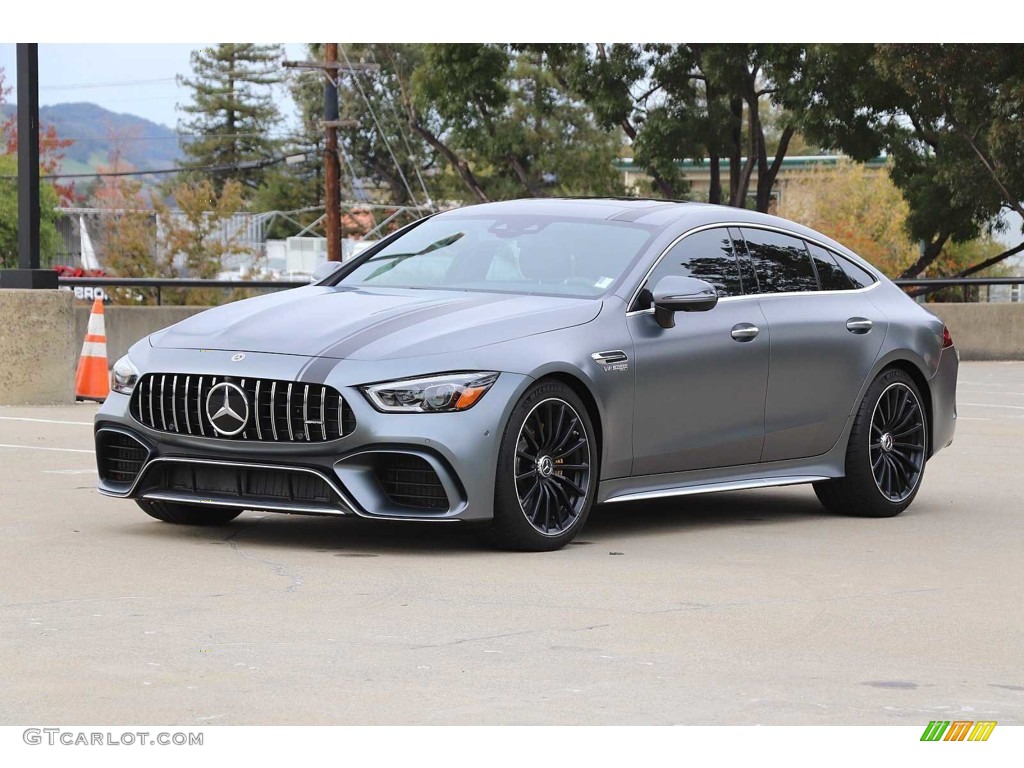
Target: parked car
<point>512,364</point>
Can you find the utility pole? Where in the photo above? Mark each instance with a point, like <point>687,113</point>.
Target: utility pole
<point>332,168</point>
<point>331,122</point>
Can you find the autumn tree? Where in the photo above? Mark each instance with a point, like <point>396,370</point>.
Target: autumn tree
<point>50,196</point>
<point>232,112</point>
<point>127,225</point>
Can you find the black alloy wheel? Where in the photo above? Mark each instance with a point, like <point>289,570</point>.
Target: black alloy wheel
<point>897,442</point>
<point>886,452</point>
<point>547,471</point>
<point>552,466</point>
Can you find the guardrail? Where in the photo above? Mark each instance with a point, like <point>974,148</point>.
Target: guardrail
<point>928,284</point>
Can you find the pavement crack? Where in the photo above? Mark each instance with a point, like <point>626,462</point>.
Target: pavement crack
<point>281,569</point>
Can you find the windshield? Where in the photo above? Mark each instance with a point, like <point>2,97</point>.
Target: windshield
<point>513,254</point>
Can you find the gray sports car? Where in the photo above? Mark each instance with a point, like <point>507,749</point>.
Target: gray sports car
<point>512,364</point>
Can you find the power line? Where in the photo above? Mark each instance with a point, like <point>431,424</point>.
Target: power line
<point>111,84</point>
<point>380,131</point>
<point>247,165</point>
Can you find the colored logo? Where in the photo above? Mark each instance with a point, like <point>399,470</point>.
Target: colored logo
<point>958,730</point>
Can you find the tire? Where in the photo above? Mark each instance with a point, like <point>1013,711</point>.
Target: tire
<point>188,514</point>
<point>547,471</point>
<point>887,452</point>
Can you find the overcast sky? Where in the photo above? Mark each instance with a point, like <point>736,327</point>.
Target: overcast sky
<point>123,77</point>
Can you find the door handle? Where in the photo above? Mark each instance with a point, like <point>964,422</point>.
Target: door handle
<point>745,332</point>
<point>858,325</point>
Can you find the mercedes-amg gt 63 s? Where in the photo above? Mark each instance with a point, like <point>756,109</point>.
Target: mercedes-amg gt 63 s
<point>512,364</point>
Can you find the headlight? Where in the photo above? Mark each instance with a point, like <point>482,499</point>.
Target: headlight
<point>124,376</point>
<point>432,394</point>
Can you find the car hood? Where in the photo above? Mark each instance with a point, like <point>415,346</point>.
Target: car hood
<point>373,324</point>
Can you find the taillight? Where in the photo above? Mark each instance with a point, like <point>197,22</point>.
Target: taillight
<point>947,339</point>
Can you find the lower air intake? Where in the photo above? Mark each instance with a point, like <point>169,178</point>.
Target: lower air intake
<point>410,481</point>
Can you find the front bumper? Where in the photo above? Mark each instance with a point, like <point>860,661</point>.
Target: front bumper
<point>414,466</point>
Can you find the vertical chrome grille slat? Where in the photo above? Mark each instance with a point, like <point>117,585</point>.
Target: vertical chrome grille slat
<point>188,419</point>
<point>323,412</point>
<point>288,405</point>
<point>152,413</point>
<point>259,432</point>
<point>180,394</point>
<point>163,415</point>
<point>273,408</point>
<point>305,412</point>
<point>199,406</point>
<point>174,402</point>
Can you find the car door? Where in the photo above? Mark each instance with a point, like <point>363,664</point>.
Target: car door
<point>825,334</point>
<point>700,386</point>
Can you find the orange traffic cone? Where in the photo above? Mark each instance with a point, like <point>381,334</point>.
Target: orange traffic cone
<point>92,381</point>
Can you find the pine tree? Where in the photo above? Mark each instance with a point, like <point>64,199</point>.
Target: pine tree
<point>232,111</point>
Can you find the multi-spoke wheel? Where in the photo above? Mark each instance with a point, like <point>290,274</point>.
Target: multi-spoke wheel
<point>887,451</point>
<point>547,471</point>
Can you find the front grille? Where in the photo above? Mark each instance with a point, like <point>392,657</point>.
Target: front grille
<point>410,481</point>
<point>248,484</point>
<point>278,411</point>
<point>119,457</point>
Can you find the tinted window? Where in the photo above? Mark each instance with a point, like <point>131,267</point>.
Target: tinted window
<point>860,278</point>
<point>782,262</point>
<point>705,255</point>
<point>831,277</point>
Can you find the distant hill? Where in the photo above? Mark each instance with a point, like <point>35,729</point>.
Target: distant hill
<point>97,131</point>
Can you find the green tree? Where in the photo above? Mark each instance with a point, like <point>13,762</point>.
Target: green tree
<point>232,112</point>
<point>506,125</point>
<point>49,240</point>
<point>948,116</point>
<point>736,105</point>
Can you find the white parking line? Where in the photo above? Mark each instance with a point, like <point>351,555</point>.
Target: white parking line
<point>994,405</point>
<point>44,448</point>
<point>44,421</point>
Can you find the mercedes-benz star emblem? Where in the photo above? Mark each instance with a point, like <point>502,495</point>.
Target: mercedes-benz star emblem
<point>239,356</point>
<point>227,408</point>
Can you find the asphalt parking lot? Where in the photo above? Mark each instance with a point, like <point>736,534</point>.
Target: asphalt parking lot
<point>737,608</point>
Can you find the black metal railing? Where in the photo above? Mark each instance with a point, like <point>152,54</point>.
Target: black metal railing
<point>926,284</point>
<point>159,283</point>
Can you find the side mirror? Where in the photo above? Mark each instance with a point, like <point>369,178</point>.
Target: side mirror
<point>324,271</point>
<point>681,294</point>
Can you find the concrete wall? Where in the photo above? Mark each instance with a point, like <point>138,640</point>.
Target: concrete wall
<point>37,347</point>
<point>984,331</point>
<point>126,325</point>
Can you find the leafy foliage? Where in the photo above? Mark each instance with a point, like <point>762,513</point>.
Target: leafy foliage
<point>49,240</point>
<point>232,112</point>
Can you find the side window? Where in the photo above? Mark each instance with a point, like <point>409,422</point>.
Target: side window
<point>830,275</point>
<point>860,278</point>
<point>781,262</point>
<point>706,255</point>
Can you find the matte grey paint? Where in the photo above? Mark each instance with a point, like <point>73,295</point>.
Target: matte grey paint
<point>690,409</point>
